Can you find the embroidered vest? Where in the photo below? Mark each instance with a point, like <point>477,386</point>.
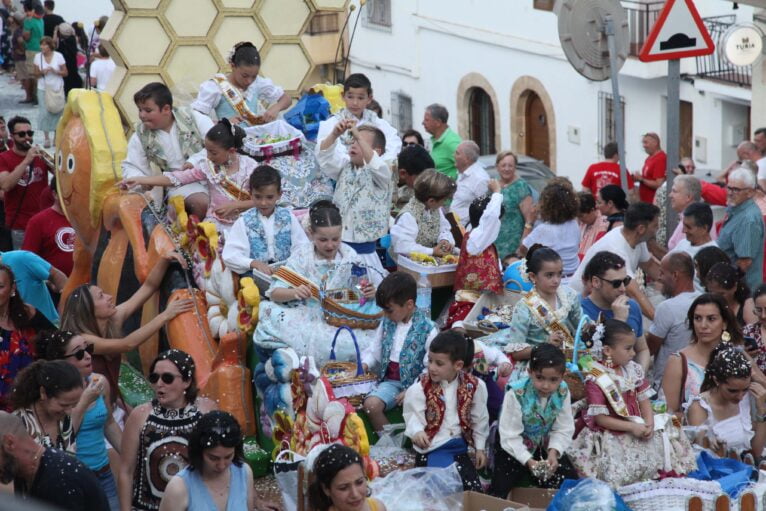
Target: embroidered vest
<point>189,138</point>
<point>538,421</point>
<point>466,388</point>
<point>479,272</point>
<point>257,236</point>
<point>428,222</point>
<point>413,349</point>
<point>368,118</point>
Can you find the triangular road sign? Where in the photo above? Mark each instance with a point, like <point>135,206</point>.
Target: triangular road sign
<point>679,32</point>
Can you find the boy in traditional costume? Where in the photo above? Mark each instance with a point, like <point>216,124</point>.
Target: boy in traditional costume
<point>536,427</point>
<point>445,411</point>
<point>164,139</point>
<point>400,347</point>
<point>265,234</point>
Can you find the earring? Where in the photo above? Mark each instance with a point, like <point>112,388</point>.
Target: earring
<point>726,336</point>
<point>13,293</point>
<point>608,362</point>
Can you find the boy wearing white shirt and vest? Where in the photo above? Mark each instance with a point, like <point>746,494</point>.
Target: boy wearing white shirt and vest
<point>363,186</point>
<point>399,348</point>
<point>164,139</point>
<point>536,427</point>
<point>357,95</point>
<point>266,233</point>
<point>446,410</point>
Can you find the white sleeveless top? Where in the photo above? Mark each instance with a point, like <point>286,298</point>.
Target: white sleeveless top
<point>736,431</point>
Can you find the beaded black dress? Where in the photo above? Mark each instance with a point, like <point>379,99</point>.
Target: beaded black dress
<point>162,452</point>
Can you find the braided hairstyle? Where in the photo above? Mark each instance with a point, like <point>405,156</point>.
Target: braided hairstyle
<point>323,213</point>
<point>245,54</point>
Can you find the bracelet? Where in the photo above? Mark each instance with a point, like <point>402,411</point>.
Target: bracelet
<point>527,226</point>
<point>760,418</point>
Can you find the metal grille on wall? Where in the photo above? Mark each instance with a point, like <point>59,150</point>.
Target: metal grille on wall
<point>607,125</point>
<point>715,66</point>
<point>401,111</point>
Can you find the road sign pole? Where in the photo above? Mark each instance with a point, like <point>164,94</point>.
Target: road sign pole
<point>673,139</point>
<point>616,103</point>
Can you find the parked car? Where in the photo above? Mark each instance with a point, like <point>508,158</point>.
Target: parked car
<point>534,172</point>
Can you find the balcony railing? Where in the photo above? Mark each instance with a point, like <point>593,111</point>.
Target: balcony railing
<point>715,66</point>
<point>641,18</point>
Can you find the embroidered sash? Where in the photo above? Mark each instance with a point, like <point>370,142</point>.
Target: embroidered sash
<point>189,139</point>
<point>435,406</point>
<point>546,317</point>
<point>613,394</point>
<point>413,348</point>
<point>236,100</point>
<point>226,185</point>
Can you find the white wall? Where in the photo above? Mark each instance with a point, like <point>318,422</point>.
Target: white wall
<point>433,44</point>
<point>86,11</point>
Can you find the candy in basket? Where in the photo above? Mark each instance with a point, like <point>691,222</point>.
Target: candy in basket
<point>347,306</point>
<point>348,379</point>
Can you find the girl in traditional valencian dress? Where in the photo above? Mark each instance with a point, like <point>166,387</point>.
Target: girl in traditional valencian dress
<point>225,171</point>
<point>293,317</point>
<point>478,268</point>
<point>239,95</point>
<point>624,442</point>
<point>549,312</point>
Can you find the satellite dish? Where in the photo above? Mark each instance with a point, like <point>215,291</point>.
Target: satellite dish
<point>583,35</point>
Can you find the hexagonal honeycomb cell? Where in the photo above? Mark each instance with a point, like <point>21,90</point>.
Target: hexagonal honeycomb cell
<point>231,31</point>
<point>129,87</point>
<point>140,4</point>
<point>142,41</point>
<point>333,5</point>
<point>191,18</point>
<point>185,77</point>
<point>274,14</point>
<point>286,64</point>
<point>237,4</point>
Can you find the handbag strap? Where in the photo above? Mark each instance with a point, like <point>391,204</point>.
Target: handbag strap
<point>684,374</point>
<point>359,369</point>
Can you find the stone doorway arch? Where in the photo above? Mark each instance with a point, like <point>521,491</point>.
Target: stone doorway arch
<point>533,118</point>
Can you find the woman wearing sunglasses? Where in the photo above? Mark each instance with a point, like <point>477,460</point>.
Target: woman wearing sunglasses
<point>45,393</point>
<point>92,417</point>
<point>711,323</point>
<point>156,436</point>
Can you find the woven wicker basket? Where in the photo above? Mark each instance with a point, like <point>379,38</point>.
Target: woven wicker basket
<point>576,385</point>
<point>336,314</point>
<point>348,379</point>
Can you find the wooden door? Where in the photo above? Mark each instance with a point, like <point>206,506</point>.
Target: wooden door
<point>686,132</point>
<point>536,130</point>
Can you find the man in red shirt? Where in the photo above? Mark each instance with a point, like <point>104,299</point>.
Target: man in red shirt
<point>23,179</point>
<point>50,235</point>
<point>652,175</point>
<point>605,172</point>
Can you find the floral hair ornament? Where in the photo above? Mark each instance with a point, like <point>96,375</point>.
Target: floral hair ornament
<point>523,269</point>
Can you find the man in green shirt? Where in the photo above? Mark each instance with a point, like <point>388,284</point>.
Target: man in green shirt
<point>33,31</point>
<point>444,141</point>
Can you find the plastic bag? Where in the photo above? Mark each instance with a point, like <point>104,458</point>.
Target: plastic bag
<point>286,470</point>
<point>418,489</point>
<point>390,442</point>
<point>586,495</point>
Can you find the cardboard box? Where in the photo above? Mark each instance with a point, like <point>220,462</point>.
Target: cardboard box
<point>535,498</point>
<point>488,300</point>
<point>473,501</point>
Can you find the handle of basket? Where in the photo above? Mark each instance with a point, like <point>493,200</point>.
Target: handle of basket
<point>359,369</point>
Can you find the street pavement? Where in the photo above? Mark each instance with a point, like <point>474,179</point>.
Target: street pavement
<point>10,95</point>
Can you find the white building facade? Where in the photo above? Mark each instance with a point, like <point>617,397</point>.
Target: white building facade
<point>498,67</point>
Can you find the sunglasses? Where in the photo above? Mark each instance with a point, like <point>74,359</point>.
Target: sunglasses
<point>167,378</point>
<point>616,283</point>
<point>80,354</point>
<point>29,133</point>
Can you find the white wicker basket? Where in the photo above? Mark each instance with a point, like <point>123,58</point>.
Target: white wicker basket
<point>669,494</point>
<point>278,128</point>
